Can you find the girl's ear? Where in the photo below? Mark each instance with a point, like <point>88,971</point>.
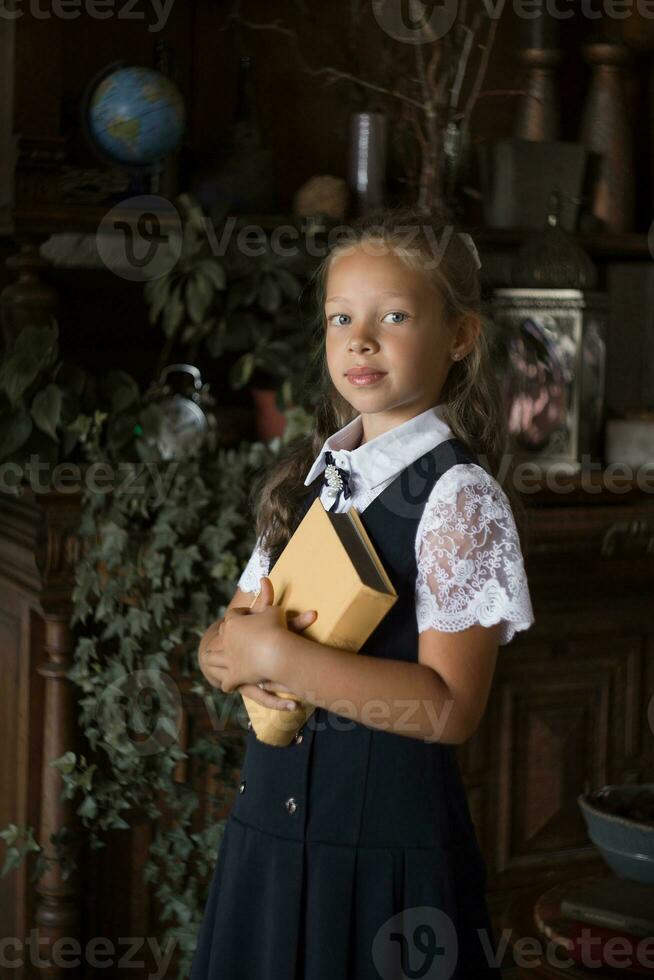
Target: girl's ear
<point>468,330</point>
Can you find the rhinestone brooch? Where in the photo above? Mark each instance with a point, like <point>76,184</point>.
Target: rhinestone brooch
<point>333,479</point>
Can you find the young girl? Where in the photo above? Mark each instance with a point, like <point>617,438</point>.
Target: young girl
<point>350,854</point>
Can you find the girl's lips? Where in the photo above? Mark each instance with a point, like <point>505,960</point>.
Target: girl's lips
<point>361,380</point>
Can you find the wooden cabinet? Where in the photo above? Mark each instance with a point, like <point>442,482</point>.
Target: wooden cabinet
<point>572,704</point>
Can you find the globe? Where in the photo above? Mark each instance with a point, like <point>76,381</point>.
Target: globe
<point>135,116</point>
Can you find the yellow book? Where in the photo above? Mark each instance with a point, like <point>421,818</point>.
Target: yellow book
<point>330,565</point>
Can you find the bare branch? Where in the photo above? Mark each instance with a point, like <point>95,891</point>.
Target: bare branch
<point>462,65</point>
<point>332,74</point>
<point>486,50</point>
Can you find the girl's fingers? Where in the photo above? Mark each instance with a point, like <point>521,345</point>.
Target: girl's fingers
<point>302,620</point>
<point>266,594</point>
<point>265,698</point>
<point>273,686</point>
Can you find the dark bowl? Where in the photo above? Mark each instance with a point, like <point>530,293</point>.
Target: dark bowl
<point>627,845</point>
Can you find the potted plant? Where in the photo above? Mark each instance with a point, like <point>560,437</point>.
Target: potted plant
<point>244,304</point>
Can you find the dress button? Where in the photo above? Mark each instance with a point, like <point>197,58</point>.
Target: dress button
<point>298,737</point>
<point>291,805</point>
<point>241,788</point>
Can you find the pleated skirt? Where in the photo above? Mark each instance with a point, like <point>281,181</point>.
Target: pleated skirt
<point>284,909</point>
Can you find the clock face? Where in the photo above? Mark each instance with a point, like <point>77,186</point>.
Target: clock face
<point>183,427</point>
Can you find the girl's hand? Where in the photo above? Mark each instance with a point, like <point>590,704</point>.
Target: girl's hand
<point>220,667</point>
<point>247,642</point>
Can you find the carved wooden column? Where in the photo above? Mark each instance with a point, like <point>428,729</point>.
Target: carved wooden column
<point>29,301</point>
<point>57,915</point>
<point>38,191</point>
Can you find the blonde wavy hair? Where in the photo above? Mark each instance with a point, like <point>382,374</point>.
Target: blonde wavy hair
<point>471,395</point>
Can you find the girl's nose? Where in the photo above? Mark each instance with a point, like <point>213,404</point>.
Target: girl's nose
<point>362,335</point>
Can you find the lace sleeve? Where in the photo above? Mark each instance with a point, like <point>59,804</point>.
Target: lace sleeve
<point>469,561</point>
<point>255,569</point>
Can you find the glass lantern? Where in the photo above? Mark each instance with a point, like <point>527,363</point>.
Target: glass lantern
<point>552,344</point>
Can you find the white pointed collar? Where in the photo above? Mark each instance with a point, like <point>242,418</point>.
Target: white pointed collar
<point>386,455</point>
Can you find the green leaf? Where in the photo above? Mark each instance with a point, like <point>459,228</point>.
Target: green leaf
<point>242,293</point>
<point>289,284</point>
<point>183,563</point>
<point>46,409</point>
<point>216,341</point>
<point>156,293</point>
<point>88,808</point>
<point>173,313</point>
<point>214,271</point>
<point>65,763</point>
<point>18,372</point>
<point>12,860</point>
<point>71,377</point>
<point>192,209</point>
<point>241,372</point>
<point>199,293</point>
<point>271,295</point>
<point>122,389</point>
<point>15,430</point>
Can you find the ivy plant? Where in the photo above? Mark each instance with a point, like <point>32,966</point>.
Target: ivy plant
<point>155,570</point>
<point>48,406</point>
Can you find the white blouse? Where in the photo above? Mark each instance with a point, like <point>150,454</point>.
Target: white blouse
<point>469,562</point>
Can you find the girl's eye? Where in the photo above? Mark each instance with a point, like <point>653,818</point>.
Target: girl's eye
<point>405,316</point>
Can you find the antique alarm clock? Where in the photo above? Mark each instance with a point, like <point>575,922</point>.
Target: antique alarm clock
<point>184,424</point>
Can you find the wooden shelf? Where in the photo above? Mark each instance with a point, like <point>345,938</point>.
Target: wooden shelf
<point>631,244</point>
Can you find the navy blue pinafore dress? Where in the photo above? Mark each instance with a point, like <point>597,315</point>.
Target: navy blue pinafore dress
<point>350,854</point>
